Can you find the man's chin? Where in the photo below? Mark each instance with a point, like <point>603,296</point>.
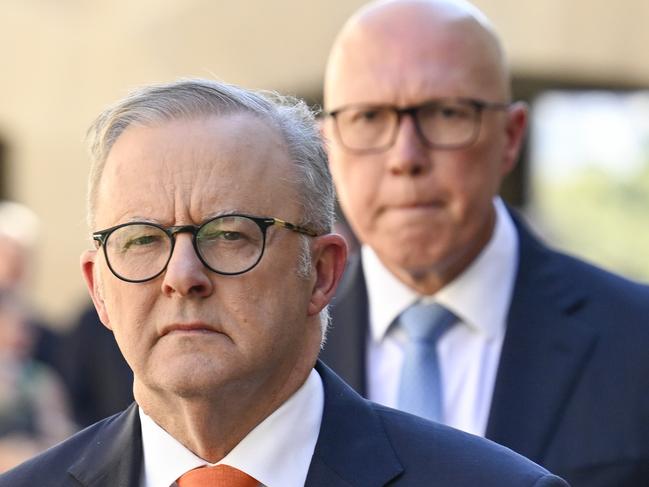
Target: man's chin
<point>411,264</point>
<point>192,376</point>
<point>413,255</point>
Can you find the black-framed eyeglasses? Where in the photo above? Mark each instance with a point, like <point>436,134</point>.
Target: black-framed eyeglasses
<point>444,123</point>
<point>228,244</point>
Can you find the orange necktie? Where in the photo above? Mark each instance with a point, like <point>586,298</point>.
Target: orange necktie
<point>217,476</point>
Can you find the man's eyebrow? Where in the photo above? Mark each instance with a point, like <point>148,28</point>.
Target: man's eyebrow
<point>138,219</point>
<point>224,212</point>
<point>142,219</point>
<point>209,216</point>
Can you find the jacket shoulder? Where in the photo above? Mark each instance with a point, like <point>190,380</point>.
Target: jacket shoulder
<point>426,449</point>
<point>51,467</point>
<point>537,257</point>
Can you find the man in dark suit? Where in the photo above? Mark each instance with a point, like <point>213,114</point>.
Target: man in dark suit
<point>544,354</point>
<point>212,208</point>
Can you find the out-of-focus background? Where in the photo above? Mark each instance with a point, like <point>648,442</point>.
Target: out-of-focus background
<point>582,65</point>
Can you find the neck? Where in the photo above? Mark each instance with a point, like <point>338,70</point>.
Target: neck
<point>212,424</point>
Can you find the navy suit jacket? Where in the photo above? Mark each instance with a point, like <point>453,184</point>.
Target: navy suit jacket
<point>572,386</point>
<point>360,444</point>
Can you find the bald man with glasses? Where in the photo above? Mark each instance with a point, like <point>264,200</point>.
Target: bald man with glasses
<point>453,310</point>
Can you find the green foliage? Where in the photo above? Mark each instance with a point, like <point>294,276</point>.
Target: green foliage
<point>601,217</point>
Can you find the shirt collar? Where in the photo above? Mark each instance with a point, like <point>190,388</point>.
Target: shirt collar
<point>479,296</point>
<point>259,454</point>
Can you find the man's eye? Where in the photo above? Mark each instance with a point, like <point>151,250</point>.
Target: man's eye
<point>231,235</point>
<point>222,235</point>
<point>367,116</point>
<point>453,112</point>
<point>140,241</point>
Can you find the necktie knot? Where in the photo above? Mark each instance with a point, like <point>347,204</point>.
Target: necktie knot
<point>217,476</point>
<point>426,322</point>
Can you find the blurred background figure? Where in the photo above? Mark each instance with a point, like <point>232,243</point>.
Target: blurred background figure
<point>19,230</point>
<point>99,381</point>
<point>33,405</point>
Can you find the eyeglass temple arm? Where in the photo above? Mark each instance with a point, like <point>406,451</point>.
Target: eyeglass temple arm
<point>98,239</point>
<point>491,105</point>
<point>295,228</point>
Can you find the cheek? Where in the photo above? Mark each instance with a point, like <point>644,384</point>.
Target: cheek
<point>265,316</point>
<point>128,307</point>
<point>473,183</point>
<point>494,167</point>
<point>358,184</point>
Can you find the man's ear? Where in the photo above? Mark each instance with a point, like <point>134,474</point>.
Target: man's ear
<point>329,259</point>
<point>515,134</point>
<point>89,273</point>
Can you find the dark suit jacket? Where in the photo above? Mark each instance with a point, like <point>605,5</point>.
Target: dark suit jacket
<point>360,444</point>
<point>572,387</point>
<point>100,382</point>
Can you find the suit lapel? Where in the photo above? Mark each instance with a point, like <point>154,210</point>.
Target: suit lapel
<point>115,458</point>
<point>545,349</point>
<point>345,349</point>
<point>352,448</point>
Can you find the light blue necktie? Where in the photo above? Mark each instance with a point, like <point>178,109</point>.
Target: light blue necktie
<point>420,390</point>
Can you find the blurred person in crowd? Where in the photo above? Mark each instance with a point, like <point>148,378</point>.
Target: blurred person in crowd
<point>19,232</point>
<point>34,412</point>
<point>212,208</point>
<point>454,310</point>
<point>33,404</point>
<point>98,379</point>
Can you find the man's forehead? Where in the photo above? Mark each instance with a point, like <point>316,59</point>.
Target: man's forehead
<point>199,166</point>
<point>232,135</point>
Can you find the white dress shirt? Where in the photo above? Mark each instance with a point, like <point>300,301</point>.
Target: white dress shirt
<point>469,352</point>
<point>277,452</point>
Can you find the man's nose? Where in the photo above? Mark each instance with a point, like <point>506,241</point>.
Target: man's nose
<point>409,155</point>
<point>186,275</point>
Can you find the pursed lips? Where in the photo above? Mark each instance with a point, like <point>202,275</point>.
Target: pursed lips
<point>188,328</point>
<point>415,205</point>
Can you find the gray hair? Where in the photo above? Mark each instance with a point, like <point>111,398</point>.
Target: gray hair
<point>195,98</point>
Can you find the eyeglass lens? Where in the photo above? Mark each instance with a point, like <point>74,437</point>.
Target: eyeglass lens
<point>442,124</point>
<point>228,245</point>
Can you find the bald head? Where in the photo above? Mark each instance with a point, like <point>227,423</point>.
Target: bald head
<point>449,46</point>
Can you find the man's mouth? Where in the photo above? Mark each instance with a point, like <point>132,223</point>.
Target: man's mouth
<point>187,328</point>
